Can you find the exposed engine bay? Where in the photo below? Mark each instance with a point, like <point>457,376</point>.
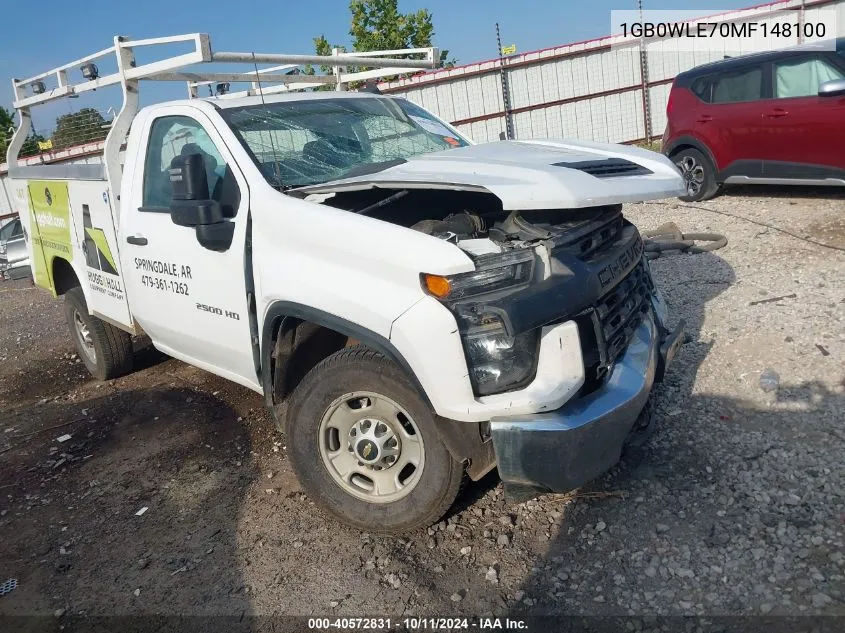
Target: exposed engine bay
<point>534,268</point>
<point>476,222</point>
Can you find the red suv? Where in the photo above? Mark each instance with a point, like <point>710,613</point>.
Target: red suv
<point>776,117</point>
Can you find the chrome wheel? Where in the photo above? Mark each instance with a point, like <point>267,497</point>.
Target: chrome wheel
<point>371,447</point>
<point>693,173</point>
<point>84,335</point>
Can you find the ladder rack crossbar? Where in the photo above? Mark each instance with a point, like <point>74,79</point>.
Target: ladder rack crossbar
<point>175,68</point>
<point>33,91</point>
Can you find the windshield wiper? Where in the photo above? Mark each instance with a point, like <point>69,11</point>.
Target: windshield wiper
<point>358,170</point>
<point>373,168</point>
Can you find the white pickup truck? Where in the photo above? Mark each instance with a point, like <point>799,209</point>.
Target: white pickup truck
<point>414,308</point>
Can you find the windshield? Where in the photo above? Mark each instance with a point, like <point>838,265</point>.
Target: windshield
<point>307,142</point>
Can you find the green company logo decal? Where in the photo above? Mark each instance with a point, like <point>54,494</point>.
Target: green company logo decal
<point>102,269</point>
<point>98,255</point>
<point>50,227</point>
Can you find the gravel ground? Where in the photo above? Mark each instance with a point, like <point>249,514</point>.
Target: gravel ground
<point>734,507</point>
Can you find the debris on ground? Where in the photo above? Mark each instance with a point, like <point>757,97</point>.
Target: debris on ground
<point>8,585</point>
<point>769,380</point>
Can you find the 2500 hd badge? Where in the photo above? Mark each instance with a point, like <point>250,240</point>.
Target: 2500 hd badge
<point>220,311</point>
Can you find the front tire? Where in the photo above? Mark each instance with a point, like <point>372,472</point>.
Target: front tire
<point>105,350</point>
<point>364,446</point>
<point>699,174</point>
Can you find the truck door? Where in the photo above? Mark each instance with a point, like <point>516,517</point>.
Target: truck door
<point>190,300</point>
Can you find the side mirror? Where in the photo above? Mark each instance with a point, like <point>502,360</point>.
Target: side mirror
<point>833,88</point>
<point>191,204</point>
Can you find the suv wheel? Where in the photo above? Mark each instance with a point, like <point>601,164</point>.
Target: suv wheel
<point>699,174</point>
<point>364,446</point>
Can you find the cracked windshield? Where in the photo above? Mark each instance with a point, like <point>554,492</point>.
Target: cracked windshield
<point>298,143</point>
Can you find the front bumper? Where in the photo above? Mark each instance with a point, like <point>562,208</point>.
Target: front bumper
<point>561,450</point>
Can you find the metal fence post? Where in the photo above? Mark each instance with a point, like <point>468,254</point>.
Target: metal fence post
<point>644,78</point>
<point>506,99</point>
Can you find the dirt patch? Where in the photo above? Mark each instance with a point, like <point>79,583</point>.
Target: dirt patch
<point>830,231</point>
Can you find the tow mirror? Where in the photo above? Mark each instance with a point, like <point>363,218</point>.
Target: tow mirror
<point>191,204</point>
<point>833,88</point>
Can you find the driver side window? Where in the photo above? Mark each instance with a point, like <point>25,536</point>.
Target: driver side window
<point>173,136</point>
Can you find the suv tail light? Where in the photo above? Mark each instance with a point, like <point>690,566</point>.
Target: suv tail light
<point>671,103</point>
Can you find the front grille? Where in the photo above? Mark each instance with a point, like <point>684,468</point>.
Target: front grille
<point>607,168</point>
<point>606,328</point>
<point>583,244</point>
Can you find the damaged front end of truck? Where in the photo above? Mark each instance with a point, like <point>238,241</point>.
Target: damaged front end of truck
<point>539,263</point>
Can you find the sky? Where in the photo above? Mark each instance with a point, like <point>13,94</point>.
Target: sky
<point>42,34</point>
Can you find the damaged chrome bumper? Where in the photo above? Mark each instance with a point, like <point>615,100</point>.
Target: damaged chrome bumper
<point>564,449</point>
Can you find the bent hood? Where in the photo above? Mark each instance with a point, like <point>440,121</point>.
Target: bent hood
<point>531,174</point>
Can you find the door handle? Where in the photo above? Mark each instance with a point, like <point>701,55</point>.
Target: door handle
<point>137,240</point>
<point>776,113</point>
<point>704,118</point>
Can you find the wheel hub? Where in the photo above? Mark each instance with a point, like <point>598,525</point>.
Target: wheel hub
<point>693,174</point>
<point>85,338</point>
<point>371,447</point>
<point>374,443</point>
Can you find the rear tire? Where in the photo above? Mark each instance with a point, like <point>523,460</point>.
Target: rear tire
<point>105,350</point>
<point>355,406</point>
<point>699,174</point>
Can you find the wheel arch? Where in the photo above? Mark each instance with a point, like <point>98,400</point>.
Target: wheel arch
<point>63,276</point>
<point>283,316</point>
<point>685,142</point>
<point>468,442</point>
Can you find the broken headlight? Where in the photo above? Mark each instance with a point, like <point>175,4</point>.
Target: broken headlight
<point>497,359</point>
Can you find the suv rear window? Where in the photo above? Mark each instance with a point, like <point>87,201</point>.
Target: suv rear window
<point>740,85</point>
<point>701,88</point>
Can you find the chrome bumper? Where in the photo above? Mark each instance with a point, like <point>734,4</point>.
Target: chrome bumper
<point>564,449</point>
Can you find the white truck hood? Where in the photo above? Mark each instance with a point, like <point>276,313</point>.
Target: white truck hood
<point>531,174</point>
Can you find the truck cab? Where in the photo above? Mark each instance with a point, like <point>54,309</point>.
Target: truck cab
<point>413,307</point>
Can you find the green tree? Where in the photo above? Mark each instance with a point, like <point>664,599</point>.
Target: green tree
<point>79,127</point>
<point>7,128</point>
<point>378,25</point>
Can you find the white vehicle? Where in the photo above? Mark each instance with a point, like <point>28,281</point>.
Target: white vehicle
<point>413,307</point>
<point>14,259</point>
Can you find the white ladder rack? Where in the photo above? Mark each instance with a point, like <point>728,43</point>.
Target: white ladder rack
<point>33,91</point>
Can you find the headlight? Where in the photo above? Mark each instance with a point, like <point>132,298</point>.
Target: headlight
<point>497,360</point>
<point>492,273</point>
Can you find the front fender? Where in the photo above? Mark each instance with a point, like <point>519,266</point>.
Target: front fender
<point>351,273</point>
